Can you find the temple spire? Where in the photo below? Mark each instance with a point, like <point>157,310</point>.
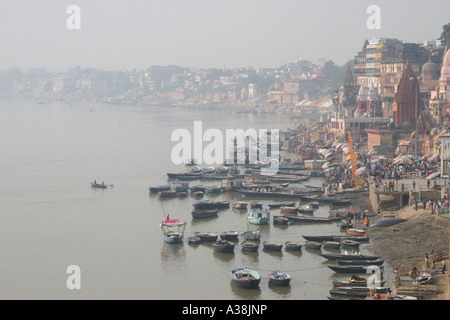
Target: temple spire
<point>349,80</point>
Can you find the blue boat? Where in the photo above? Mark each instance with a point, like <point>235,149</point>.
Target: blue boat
<point>259,217</point>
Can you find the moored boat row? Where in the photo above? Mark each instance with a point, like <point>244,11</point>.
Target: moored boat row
<point>250,279</point>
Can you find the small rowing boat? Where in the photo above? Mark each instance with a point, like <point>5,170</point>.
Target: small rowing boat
<point>279,279</point>
<point>245,278</point>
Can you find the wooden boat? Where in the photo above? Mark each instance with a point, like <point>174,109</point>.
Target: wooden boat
<point>338,284</point>
<point>360,262</point>
<point>272,246</point>
<point>387,222</point>
<point>204,213</point>
<point>259,217</point>
<point>331,244</point>
<point>305,209</point>
<point>293,246</point>
<point>156,189</point>
<point>198,188</point>
<point>215,189</point>
<point>207,237</point>
<point>251,235</point>
<point>229,235</point>
<point>173,230</point>
<point>356,232</point>
<point>220,205</point>
<point>304,219</point>
<point>281,204</point>
<point>328,199</point>
<point>279,279</point>
<point>223,246</point>
<point>256,204</point>
<point>280,220</point>
<point>353,238</point>
<point>198,194</point>
<point>194,239</point>
<point>180,186</point>
<point>245,278</point>
<point>287,178</point>
<point>182,194</point>
<point>204,204</point>
<point>349,269</point>
<point>98,185</point>
<point>214,176</point>
<point>284,194</point>
<point>349,244</point>
<point>313,245</point>
<point>184,176</point>
<point>360,289</point>
<point>319,238</point>
<point>208,170</point>
<point>354,281</point>
<point>240,205</point>
<point>342,295</point>
<point>348,257</point>
<point>250,246</point>
<point>167,194</point>
<point>289,209</point>
<point>195,169</point>
<point>222,170</point>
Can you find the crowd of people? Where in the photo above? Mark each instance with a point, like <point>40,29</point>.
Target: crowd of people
<point>438,207</point>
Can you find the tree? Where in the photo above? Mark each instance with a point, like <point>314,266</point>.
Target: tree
<point>14,74</point>
<point>445,35</point>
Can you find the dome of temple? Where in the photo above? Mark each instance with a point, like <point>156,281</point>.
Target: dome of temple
<point>430,70</point>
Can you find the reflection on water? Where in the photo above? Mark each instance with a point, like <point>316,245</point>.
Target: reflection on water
<point>276,254</point>
<point>172,253</point>
<point>224,256</point>
<point>243,293</point>
<point>282,291</point>
<point>249,257</point>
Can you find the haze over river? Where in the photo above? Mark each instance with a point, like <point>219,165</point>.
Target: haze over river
<point>50,217</point>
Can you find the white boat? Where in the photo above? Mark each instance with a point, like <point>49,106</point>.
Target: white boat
<point>240,205</point>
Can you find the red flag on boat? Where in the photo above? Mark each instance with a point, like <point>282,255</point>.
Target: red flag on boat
<point>170,221</point>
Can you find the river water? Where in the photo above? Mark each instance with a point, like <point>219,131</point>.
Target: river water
<point>52,219</point>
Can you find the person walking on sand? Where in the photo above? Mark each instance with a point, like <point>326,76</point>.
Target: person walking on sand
<point>414,185</point>
<point>427,260</point>
<point>424,204</point>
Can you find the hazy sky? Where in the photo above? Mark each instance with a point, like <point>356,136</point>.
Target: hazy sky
<point>121,34</point>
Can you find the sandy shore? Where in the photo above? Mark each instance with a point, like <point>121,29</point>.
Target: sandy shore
<point>404,245</point>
